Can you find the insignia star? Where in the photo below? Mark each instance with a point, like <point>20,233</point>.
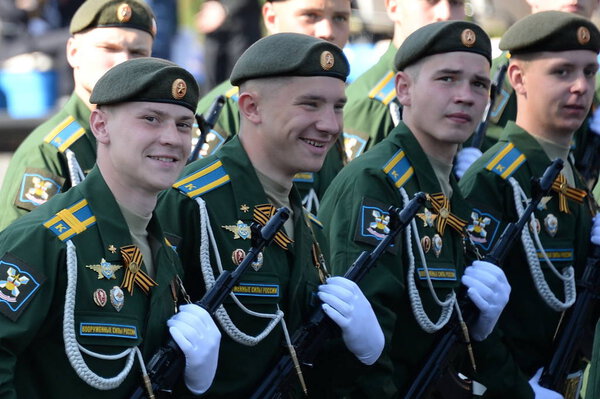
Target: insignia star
<point>112,249</point>
<point>239,230</point>
<point>427,217</point>
<point>105,269</point>
<point>244,208</point>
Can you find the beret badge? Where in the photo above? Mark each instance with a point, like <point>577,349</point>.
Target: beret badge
<point>178,89</point>
<point>583,35</point>
<point>327,60</point>
<point>124,12</point>
<point>468,37</point>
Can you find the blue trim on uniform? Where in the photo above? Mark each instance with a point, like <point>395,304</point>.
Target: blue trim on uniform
<point>304,177</point>
<point>203,181</point>
<point>112,330</point>
<point>398,169</point>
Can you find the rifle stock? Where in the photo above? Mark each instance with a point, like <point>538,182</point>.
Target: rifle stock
<point>441,355</point>
<point>168,363</point>
<point>310,338</point>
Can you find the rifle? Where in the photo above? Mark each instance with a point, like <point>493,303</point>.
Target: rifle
<point>442,353</point>
<point>205,125</point>
<point>495,89</point>
<point>310,338</point>
<point>168,363</point>
<point>589,162</point>
<point>570,335</point>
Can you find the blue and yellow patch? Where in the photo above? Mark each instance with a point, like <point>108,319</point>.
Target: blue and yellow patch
<point>372,223</point>
<point>260,290</point>
<point>398,169</point>
<point>437,274</point>
<point>233,93</point>
<point>309,216</point>
<point>108,330</point>
<point>304,177</point>
<point>354,145</point>
<point>557,254</point>
<point>204,180</point>
<point>385,90</point>
<point>18,283</point>
<point>483,228</point>
<point>65,133</point>
<point>37,187</point>
<point>507,161</point>
<point>71,221</point>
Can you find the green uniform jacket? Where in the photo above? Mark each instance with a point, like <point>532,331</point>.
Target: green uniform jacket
<point>367,118</point>
<point>228,125</point>
<point>32,351</point>
<point>226,181</point>
<point>352,213</point>
<point>527,324</point>
<point>38,169</point>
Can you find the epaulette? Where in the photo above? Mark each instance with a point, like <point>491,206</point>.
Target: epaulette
<point>385,89</point>
<point>304,177</point>
<point>506,161</point>
<point>71,221</point>
<point>203,180</point>
<point>398,169</point>
<point>233,93</point>
<point>310,216</point>
<point>65,133</point>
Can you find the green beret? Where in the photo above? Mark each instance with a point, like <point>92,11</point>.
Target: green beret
<point>551,31</point>
<point>147,79</point>
<point>134,14</point>
<point>290,54</point>
<point>443,37</point>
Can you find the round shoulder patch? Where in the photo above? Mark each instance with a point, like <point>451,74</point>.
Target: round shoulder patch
<point>468,37</point>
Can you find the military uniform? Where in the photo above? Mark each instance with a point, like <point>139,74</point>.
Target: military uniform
<point>355,215</point>
<point>367,117</point>
<point>228,125</point>
<point>285,277</point>
<point>39,168</point>
<point>527,325</point>
<point>107,320</point>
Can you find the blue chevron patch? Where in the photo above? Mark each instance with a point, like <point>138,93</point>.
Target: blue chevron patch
<point>204,180</point>
<point>385,89</point>
<point>65,133</point>
<point>398,169</point>
<point>233,93</point>
<point>71,221</point>
<point>506,161</point>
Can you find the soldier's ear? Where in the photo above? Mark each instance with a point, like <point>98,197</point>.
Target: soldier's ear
<point>269,17</point>
<point>516,76</point>
<point>98,124</point>
<point>249,106</point>
<point>403,86</point>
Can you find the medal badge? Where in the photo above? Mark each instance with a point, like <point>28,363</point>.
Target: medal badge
<point>117,298</point>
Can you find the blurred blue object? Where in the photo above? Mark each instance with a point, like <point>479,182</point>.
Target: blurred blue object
<point>361,56</point>
<point>28,94</point>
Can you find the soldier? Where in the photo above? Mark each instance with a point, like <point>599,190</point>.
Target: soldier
<point>61,151</point>
<point>443,86</point>
<point>552,69</point>
<point>291,96</point>
<point>328,20</point>
<point>372,104</point>
<point>88,281</point>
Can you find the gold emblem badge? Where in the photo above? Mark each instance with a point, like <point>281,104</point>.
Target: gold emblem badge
<point>583,35</point>
<point>178,89</point>
<point>244,208</point>
<point>468,38</point>
<point>105,269</point>
<point>327,60</point>
<point>112,249</point>
<point>239,230</point>
<point>124,13</point>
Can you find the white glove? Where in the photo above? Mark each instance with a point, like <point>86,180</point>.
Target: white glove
<point>489,290</point>
<point>347,306</point>
<point>199,338</point>
<point>464,159</point>
<point>595,122</point>
<point>595,236</point>
<point>541,392</point>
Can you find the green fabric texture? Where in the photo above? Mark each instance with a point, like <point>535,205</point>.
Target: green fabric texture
<point>290,54</point>
<point>147,79</point>
<point>443,37</point>
<point>551,31</point>
<point>135,14</point>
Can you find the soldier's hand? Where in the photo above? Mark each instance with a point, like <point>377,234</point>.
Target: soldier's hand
<point>347,306</point>
<point>464,159</point>
<point>194,330</point>
<point>489,290</point>
<point>595,236</point>
<point>541,392</point>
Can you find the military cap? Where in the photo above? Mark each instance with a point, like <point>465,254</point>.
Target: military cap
<point>551,31</point>
<point>443,37</point>
<point>147,79</point>
<point>290,54</point>
<point>134,14</point>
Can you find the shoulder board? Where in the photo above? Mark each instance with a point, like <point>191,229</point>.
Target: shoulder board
<point>304,177</point>
<point>506,161</point>
<point>312,218</point>
<point>203,180</point>
<point>71,221</point>
<point>398,169</point>
<point>233,93</point>
<point>385,89</point>
<point>65,133</point>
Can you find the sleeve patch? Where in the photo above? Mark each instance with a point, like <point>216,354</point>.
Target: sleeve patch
<point>354,145</point>
<point>483,228</point>
<point>37,187</point>
<point>212,142</point>
<point>18,284</point>
<point>371,226</point>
